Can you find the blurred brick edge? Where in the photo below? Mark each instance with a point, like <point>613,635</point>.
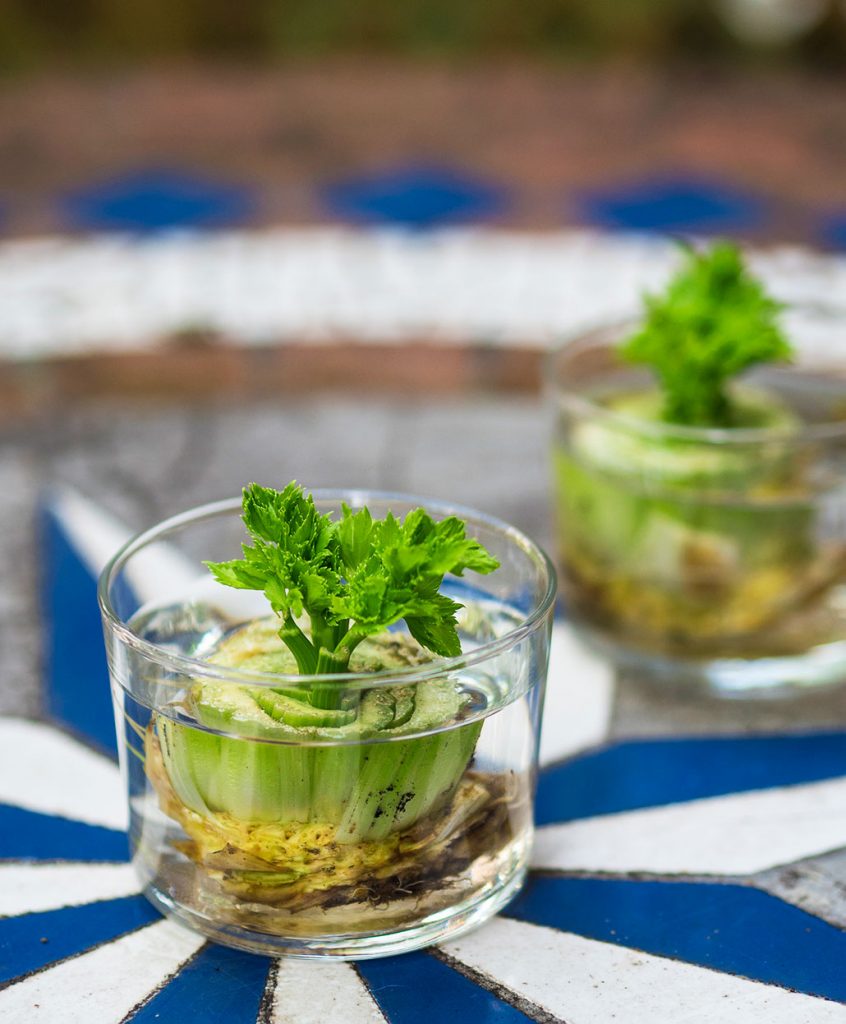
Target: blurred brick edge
<point>199,372</point>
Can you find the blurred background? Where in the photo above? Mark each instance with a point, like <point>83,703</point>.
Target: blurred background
<point>331,240</point>
<point>201,174</point>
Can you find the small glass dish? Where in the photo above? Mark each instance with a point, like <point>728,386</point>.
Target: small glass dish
<point>705,556</point>
<point>338,841</point>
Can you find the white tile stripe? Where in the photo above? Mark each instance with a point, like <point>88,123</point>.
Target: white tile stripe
<point>114,293</point>
<point>29,888</point>
<point>43,770</point>
<point>583,981</point>
<point>160,573</point>
<point>97,535</point>
<point>102,986</point>
<point>729,835</point>
<point>94,533</point>
<point>579,697</point>
<point>315,992</point>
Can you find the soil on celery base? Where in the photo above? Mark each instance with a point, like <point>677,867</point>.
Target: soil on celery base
<point>416,871</point>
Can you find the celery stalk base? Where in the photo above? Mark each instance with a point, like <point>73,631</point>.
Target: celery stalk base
<point>437,918</point>
<point>292,889</point>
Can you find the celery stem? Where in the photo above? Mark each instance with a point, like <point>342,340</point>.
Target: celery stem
<point>328,695</point>
<point>299,645</point>
<point>349,641</point>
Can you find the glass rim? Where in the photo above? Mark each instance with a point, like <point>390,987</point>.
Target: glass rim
<point>578,402</point>
<point>439,666</point>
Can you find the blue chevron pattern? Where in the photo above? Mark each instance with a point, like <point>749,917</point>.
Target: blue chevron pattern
<point>31,941</point>
<point>724,925</point>
<point>218,986</point>
<point>728,927</point>
<point>650,773</point>
<point>28,835</point>
<point>397,982</point>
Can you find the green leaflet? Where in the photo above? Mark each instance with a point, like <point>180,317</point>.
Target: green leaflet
<point>350,578</point>
<point>713,321</point>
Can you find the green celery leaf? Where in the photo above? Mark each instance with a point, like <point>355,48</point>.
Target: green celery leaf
<point>713,321</point>
<point>353,578</point>
<point>354,535</point>
<point>438,630</point>
<point>401,579</point>
<point>237,574</point>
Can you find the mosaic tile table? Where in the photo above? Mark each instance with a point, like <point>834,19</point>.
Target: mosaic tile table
<point>675,878</point>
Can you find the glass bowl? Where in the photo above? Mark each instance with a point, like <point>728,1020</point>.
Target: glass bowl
<point>373,829</point>
<point>707,556</point>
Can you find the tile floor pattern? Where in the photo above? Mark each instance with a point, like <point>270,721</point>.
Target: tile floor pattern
<point>674,878</point>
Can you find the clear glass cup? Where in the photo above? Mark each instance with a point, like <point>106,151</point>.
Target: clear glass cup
<point>340,840</point>
<point>714,557</point>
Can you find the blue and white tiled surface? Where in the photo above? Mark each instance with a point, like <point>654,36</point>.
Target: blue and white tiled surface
<point>675,878</point>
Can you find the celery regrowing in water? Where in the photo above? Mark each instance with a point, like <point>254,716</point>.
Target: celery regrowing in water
<point>675,537</point>
<point>291,790</point>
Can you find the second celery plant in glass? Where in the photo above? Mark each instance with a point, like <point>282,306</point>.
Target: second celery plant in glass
<point>699,510</point>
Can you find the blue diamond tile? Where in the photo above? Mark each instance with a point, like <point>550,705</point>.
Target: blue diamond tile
<point>414,196</point>
<point>833,230</point>
<point>158,200</point>
<point>673,205</point>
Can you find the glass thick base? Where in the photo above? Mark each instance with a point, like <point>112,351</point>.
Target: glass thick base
<point>447,923</point>
<point>777,677</point>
